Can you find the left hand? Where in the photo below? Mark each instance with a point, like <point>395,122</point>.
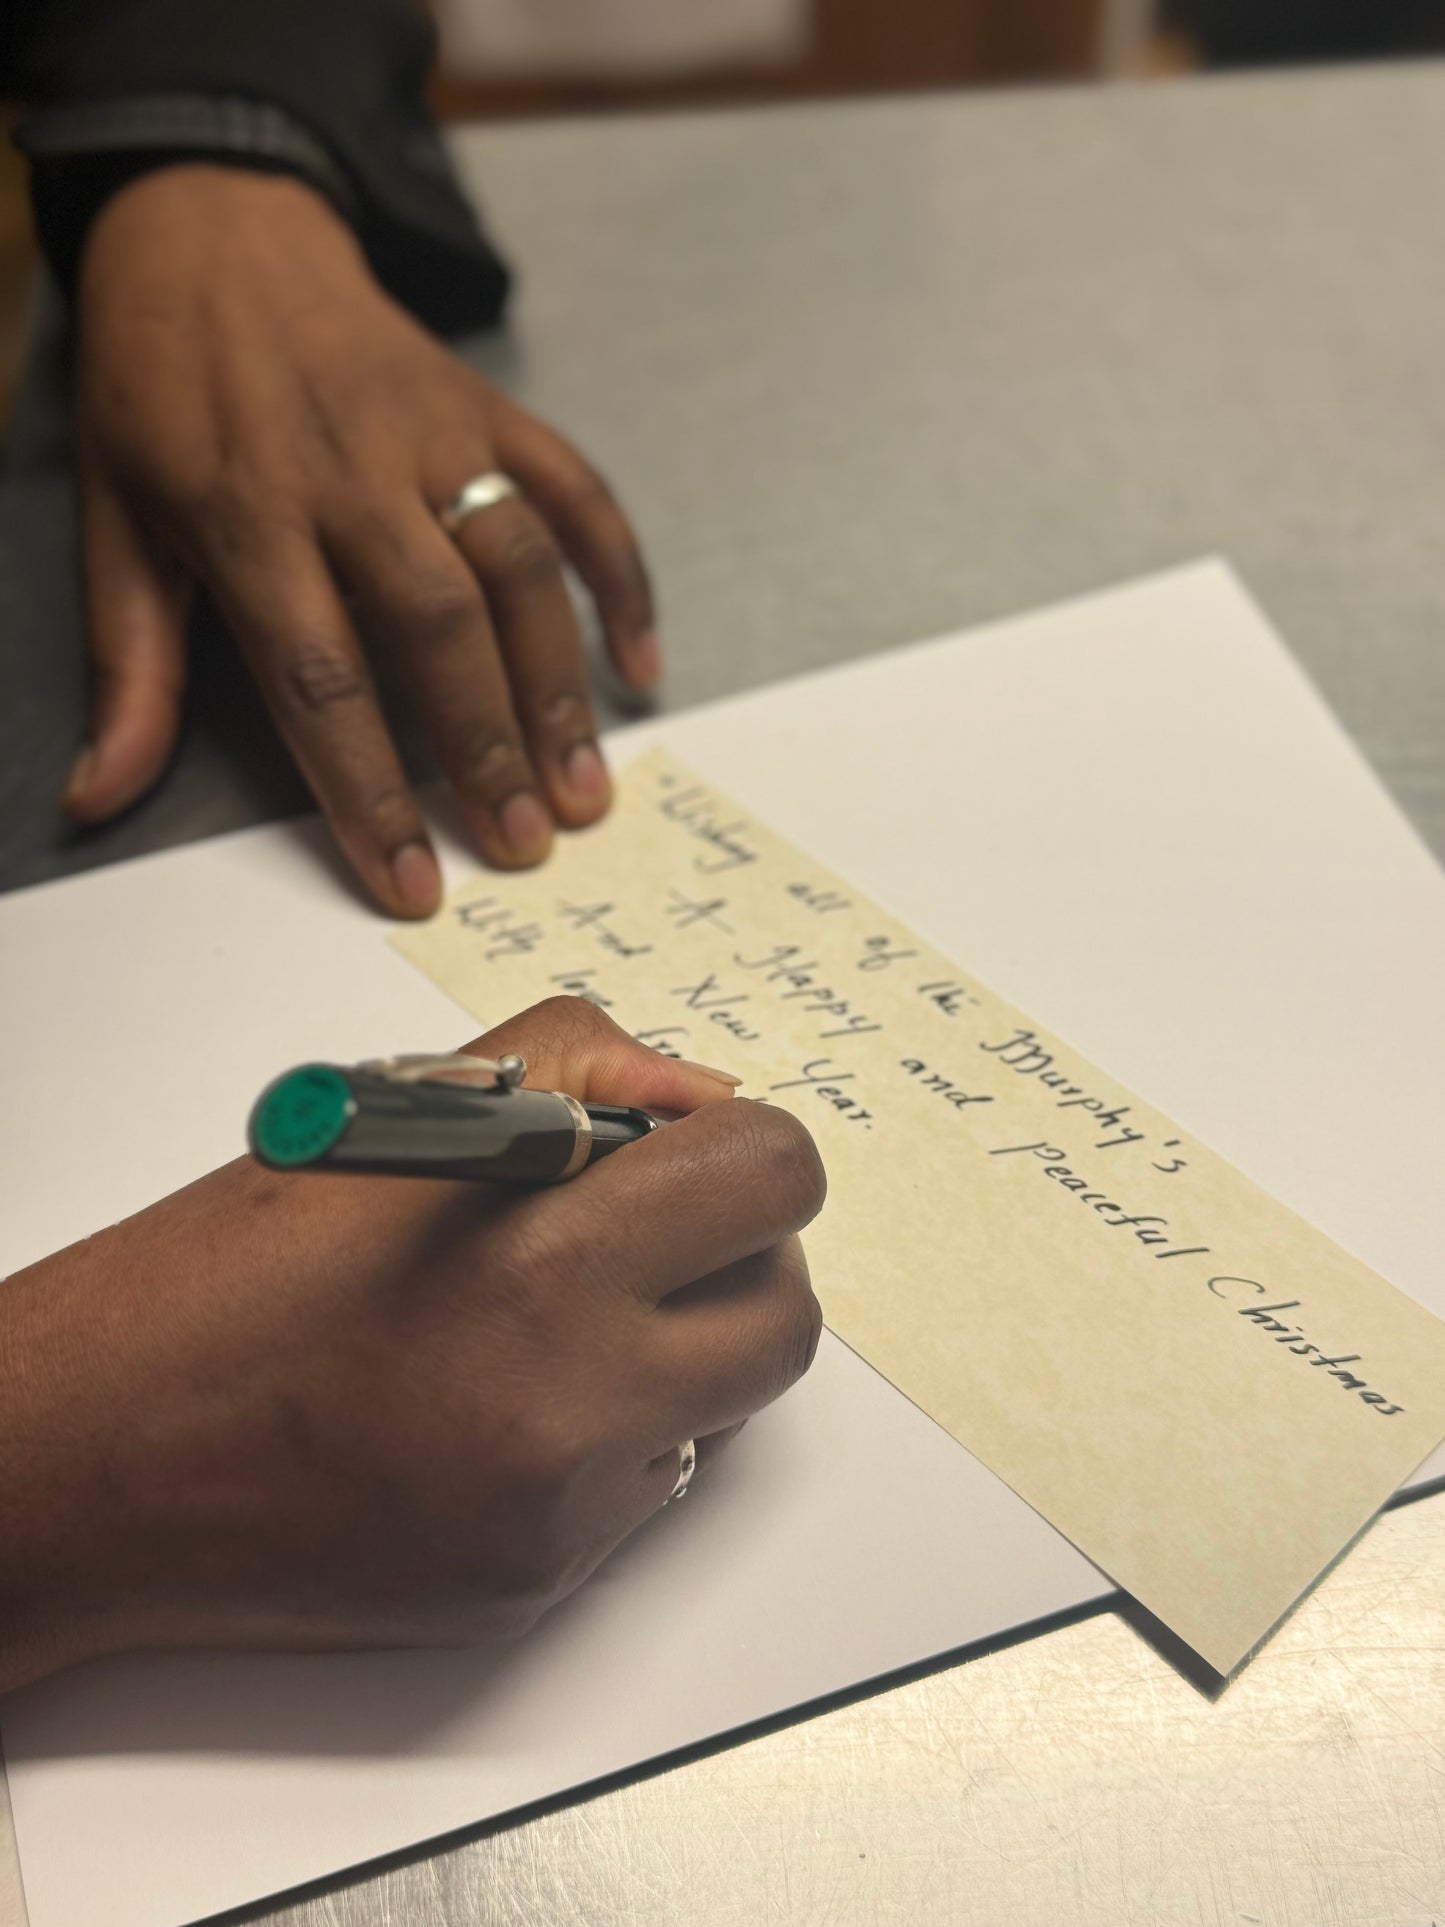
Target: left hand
<point>256,416</point>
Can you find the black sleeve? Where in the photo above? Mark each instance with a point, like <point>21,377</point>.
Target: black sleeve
<point>330,90</point>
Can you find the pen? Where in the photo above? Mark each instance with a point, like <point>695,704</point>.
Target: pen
<point>434,1117</point>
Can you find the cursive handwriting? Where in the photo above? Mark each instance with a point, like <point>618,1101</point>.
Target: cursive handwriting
<point>1026,1056</point>
<point>694,811</point>
<point>1266,1319</point>
<point>934,1081</point>
<point>592,917</point>
<point>1149,1228</point>
<point>782,965</point>
<point>825,1081</point>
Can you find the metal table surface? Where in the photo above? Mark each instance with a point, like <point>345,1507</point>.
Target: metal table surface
<point>866,373</point>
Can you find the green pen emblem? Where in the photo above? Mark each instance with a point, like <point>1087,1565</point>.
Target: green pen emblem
<point>301,1116</point>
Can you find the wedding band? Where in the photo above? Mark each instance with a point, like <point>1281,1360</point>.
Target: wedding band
<point>687,1453</point>
<point>481,492</point>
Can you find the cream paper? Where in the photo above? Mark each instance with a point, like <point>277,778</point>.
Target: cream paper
<point>1203,1393</point>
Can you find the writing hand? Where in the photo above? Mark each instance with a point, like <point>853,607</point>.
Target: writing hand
<point>255,416</point>
<point>315,1411</point>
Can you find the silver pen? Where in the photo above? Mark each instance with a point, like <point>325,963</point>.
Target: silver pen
<point>434,1117</point>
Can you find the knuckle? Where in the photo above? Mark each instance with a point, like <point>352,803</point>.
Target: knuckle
<point>567,713</point>
<point>789,1318</point>
<point>524,560</point>
<point>490,763</point>
<point>390,815</point>
<point>807,1324</point>
<point>786,1158</point>
<point>553,1450</point>
<point>441,607</point>
<point>558,1024</point>
<point>233,514</point>
<point>570,1024</point>
<point>794,1317</point>
<point>317,676</point>
<point>216,508</point>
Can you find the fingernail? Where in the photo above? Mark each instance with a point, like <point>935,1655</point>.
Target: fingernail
<point>525,824</point>
<point>723,1077</point>
<point>82,772</point>
<point>417,879</point>
<point>645,656</point>
<point>586,772</point>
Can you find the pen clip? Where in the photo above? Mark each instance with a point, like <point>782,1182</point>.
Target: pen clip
<point>453,1067</point>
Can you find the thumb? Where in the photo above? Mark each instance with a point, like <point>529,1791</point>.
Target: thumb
<point>136,610</point>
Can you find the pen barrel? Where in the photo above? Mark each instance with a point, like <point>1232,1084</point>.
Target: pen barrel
<point>442,1131</point>
<point>321,1117</point>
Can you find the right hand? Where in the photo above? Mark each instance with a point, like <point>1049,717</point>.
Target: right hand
<point>305,1411</point>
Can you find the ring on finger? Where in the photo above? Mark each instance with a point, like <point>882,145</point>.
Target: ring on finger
<point>687,1465</point>
<point>481,492</point>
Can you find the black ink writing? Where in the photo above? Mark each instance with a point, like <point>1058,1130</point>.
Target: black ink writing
<point>934,1081</point>
<point>878,954</point>
<point>1291,1338</point>
<point>661,1037</point>
<point>824,1080</point>
<point>949,996</point>
<point>684,911</point>
<point>1023,1054</point>
<point>694,810</point>
<point>784,965</point>
<point>503,935</point>
<point>578,983</point>
<point>592,917</point>
<point>709,1000</point>
<point>1148,1227</point>
<point>814,897</point>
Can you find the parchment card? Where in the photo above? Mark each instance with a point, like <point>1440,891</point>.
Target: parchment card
<point>1206,1395</point>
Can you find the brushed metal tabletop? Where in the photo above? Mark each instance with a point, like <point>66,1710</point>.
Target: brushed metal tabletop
<point>867,373</point>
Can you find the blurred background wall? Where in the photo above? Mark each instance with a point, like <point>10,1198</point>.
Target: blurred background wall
<point>530,56</point>
<point>510,56</point>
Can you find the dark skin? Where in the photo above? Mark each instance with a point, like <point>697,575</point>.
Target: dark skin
<point>307,1412</point>
<point>255,416</point>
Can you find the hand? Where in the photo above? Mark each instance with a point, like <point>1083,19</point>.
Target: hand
<point>320,1411</point>
<point>255,416</point>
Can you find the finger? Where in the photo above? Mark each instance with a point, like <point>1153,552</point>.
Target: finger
<point>571,1045</point>
<point>418,592</point>
<point>725,1348</point>
<point>287,617</point>
<point>595,533</point>
<point>718,1186</point>
<point>520,569</point>
<point>136,611</point>
<point>662,1473</point>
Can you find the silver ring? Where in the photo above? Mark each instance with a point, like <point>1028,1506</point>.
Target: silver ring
<point>481,492</point>
<point>687,1454</point>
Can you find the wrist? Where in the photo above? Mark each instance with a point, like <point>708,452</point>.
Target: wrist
<point>72,1411</point>
<point>193,224</point>
<point>83,153</point>
<point>58,1477</point>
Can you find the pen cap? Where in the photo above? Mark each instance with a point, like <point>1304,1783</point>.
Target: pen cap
<point>297,1119</point>
<point>320,1116</point>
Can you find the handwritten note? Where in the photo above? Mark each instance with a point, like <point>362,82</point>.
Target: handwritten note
<point>1203,1393</point>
